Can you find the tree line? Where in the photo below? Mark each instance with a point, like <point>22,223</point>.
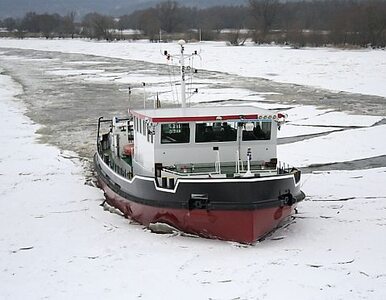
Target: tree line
<point>314,23</point>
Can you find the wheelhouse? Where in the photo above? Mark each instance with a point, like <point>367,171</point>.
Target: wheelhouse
<point>198,140</point>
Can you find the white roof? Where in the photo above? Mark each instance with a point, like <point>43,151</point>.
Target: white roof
<point>208,113</point>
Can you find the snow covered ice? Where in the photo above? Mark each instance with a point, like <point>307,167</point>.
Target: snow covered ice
<point>304,66</point>
<point>57,242</point>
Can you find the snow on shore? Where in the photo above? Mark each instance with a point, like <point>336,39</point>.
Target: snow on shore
<point>357,71</point>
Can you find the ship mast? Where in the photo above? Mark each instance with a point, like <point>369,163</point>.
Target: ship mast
<point>182,63</point>
<point>183,69</point>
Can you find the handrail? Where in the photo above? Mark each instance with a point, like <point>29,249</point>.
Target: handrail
<point>254,171</point>
<point>189,174</point>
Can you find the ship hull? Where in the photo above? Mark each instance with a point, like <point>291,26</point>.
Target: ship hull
<point>234,210</point>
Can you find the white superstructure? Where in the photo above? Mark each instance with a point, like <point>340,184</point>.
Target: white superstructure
<point>202,137</point>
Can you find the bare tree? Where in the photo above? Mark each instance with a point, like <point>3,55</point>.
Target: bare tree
<point>10,24</point>
<point>237,38</point>
<point>48,24</point>
<point>168,16</point>
<point>374,14</point>
<point>150,24</point>
<point>68,24</point>
<point>30,22</point>
<point>299,23</point>
<point>264,14</point>
<point>45,24</point>
<point>98,26</point>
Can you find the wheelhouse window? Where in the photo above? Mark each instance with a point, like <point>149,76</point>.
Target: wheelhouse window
<point>175,133</point>
<point>216,132</point>
<point>253,131</point>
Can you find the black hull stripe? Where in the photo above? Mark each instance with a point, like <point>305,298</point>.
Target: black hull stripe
<point>184,203</point>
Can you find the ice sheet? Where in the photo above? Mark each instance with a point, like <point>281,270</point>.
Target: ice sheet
<point>336,147</point>
<point>357,71</point>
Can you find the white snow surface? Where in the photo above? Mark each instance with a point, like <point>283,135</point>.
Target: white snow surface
<point>304,115</point>
<point>313,116</point>
<point>57,242</point>
<point>336,147</point>
<point>307,119</point>
<point>71,72</point>
<point>357,71</point>
<point>289,130</point>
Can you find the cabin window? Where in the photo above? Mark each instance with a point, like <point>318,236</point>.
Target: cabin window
<point>175,133</point>
<point>253,131</point>
<point>216,132</point>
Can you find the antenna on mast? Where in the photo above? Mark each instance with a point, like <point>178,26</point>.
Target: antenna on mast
<point>184,70</point>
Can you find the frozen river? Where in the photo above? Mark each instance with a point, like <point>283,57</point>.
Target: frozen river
<point>57,242</point>
<point>66,93</point>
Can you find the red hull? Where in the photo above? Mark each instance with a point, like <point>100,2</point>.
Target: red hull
<point>244,226</point>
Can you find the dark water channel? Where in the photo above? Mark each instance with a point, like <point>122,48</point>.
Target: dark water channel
<point>67,105</point>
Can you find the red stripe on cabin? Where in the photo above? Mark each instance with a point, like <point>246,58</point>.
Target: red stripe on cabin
<point>201,118</point>
<point>195,118</point>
